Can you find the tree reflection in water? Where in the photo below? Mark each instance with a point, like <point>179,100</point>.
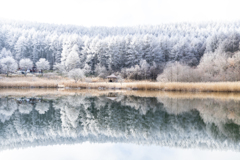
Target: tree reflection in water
<point>175,122</point>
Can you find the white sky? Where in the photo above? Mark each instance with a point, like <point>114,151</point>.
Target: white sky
<point>119,12</point>
<point>109,151</point>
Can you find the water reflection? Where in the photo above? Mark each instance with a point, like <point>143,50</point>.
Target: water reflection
<point>115,117</point>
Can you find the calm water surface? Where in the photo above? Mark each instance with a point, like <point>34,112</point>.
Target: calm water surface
<point>118,126</point>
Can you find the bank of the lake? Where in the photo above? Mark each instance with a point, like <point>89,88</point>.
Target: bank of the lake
<point>36,82</point>
<point>55,92</point>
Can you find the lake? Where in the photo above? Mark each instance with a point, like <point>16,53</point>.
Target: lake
<point>91,124</point>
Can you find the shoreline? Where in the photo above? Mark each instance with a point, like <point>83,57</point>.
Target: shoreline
<point>53,92</point>
<point>35,83</point>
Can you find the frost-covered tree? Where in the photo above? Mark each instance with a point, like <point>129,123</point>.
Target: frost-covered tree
<point>25,64</point>
<point>87,69</point>
<point>21,48</point>
<point>100,71</point>
<point>55,47</point>
<point>132,73</point>
<point>8,64</point>
<point>43,64</point>
<point>177,72</point>
<point>102,56</point>
<point>72,60</point>
<point>147,48</point>
<point>76,74</point>
<point>145,68</point>
<point>5,53</point>
<point>60,68</point>
<point>64,54</point>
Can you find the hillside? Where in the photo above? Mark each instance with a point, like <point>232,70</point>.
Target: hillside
<point>103,50</point>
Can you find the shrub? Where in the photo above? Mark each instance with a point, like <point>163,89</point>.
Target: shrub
<point>76,74</point>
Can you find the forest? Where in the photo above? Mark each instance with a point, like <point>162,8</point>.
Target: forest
<point>184,52</point>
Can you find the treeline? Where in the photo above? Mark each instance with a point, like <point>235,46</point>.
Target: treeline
<point>140,52</point>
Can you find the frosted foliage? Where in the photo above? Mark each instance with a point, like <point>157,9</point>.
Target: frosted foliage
<point>8,64</point>
<point>138,72</point>
<point>5,53</point>
<point>25,108</point>
<point>43,64</point>
<point>212,67</point>
<point>42,107</point>
<point>26,64</point>
<point>101,71</point>
<point>87,69</point>
<point>76,74</point>
<point>176,72</point>
<point>144,65</point>
<point>72,60</point>
<point>60,68</point>
<point>64,54</point>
